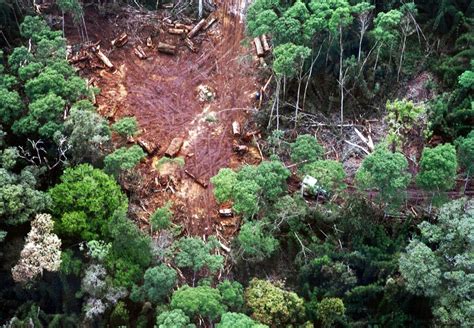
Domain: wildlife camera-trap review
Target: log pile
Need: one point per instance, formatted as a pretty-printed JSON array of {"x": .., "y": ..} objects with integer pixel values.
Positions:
[{"x": 262, "y": 47}]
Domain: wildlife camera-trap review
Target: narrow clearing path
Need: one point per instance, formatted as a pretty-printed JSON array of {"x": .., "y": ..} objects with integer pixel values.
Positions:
[{"x": 162, "y": 93}]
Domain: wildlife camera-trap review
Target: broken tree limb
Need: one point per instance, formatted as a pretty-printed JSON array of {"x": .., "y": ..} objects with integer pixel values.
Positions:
[
  {"x": 166, "y": 48},
  {"x": 258, "y": 47},
  {"x": 120, "y": 41},
  {"x": 357, "y": 146},
  {"x": 139, "y": 52},
  {"x": 196, "y": 28},
  {"x": 266, "y": 46},
  {"x": 367, "y": 141},
  {"x": 190, "y": 45},
  {"x": 197, "y": 180},
  {"x": 103, "y": 58}
]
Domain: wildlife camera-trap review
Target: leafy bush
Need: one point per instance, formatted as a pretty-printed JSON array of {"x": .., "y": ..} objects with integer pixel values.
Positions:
[
  {"x": 306, "y": 148},
  {"x": 438, "y": 168},
  {"x": 126, "y": 127}
]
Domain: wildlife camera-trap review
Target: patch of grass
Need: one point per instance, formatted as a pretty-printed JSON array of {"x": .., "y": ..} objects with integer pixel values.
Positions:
[{"x": 177, "y": 160}]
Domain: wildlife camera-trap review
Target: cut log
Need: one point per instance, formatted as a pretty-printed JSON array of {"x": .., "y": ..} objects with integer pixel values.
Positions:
[
  {"x": 258, "y": 47},
  {"x": 138, "y": 50},
  {"x": 103, "y": 58},
  {"x": 236, "y": 128},
  {"x": 190, "y": 45},
  {"x": 166, "y": 48},
  {"x": 174, "y": 147},
  {"x": 197, "y": 28},
  {"x": 183, "y": 26},
  {"x": 266, "y": 46},
  {"x": 239, "y": 148},
  {"x": 149, "y": 42},
  {"x": 120, "y": 41},
  {"x": 197, "y": 180},
  {"x": 177, "y": 31},
  {"x": 167, "y": 21},
  {"x": 168, "y": 5},
  {"x": 209, "y": 23},
  {"x": 148, "y": 146}
]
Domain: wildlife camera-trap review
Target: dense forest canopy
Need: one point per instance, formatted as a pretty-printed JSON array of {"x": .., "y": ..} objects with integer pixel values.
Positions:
[{"x": 359, "y": 211}]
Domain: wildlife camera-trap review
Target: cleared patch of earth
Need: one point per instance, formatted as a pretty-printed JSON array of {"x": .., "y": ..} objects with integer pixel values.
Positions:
[{"x": 162, "y": 92}]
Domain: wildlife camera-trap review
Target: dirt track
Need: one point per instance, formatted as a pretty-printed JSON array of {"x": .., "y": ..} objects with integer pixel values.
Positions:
[{"x": 161, "y": 92}]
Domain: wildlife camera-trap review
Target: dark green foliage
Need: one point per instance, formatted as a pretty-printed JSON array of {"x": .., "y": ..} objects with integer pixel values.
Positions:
[
  {"x": 84, "y": 202},
  {"x": 161, "y": 218},
  {"x": 238, "y": 320},
  {"x": 195, "y": 254},
  {"x": 255, "y": 244},
  {"x": 123, "y": 159},
  {"x": 438, "y": 264},
  {"x": 130, "y": 254},
  {"x": 19, "y": 199},
  {"x": 158, "y": 283},
  {"x": 306, "y": 148},
  {"x": 438, "y": 168},
  {"x": 173, "y": 319},
  {"x": 119, "y": 316},
  {"x": 203, "y": 300},
  {"x": 330, "y": 174},
  {"x": 232, "y": 294},
  {"x": 385, "y": 171},
  {"x": 465, "y": 151},
  {"x": 251, "y": 187},
  {"x": 126, "y": 127}
]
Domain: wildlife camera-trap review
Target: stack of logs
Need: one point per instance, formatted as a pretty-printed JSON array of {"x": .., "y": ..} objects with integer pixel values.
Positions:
[{"x": 262, "y": 46}]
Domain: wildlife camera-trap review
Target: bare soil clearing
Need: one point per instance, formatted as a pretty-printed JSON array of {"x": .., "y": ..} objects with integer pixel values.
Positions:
[{"x": 163, "y": 93}]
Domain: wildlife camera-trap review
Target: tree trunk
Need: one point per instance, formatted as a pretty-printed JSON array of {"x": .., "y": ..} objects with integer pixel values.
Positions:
[
  {"x": 341, "y": 82},
  {"x": 401, "y": 56}
]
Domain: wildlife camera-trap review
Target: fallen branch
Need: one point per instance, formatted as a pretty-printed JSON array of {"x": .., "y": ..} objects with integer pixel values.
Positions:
[
  {"x": 103, "y": 58},
  {"x": 357, "y": 146},
  {"x": 197, "y": 180}
]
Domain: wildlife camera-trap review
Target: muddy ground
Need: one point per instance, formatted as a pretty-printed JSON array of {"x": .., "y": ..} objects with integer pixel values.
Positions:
[{"x": 162, "y": 92}]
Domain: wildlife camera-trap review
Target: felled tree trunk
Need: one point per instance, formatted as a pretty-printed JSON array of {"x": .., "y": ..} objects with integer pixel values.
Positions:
[
  {"x": 258, "y": 47},
  {"x": 196, "y": 28},
  {"x": 166, "y": 48}
]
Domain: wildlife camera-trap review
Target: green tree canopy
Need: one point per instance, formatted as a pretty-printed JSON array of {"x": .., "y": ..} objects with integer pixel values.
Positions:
[
  {"x": 174, "y": 319},
  {"x": 126, "y": 126},
  {"x": 306, "y": 148},
  {"x": 438, "y": 263},
  {"x": 272, "y": 305},
  {"x": 158, "y": 283},
  {"x": 123, "y": 159},
  {"x": 85, "y": 201},
  {"x": 438, "y": 168},
  {"x": 238, "y": 320},
  {"x": 255, "y": 244},
  {"x": 385, "y": 171},
  {"x": 202, "y": 300}
]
